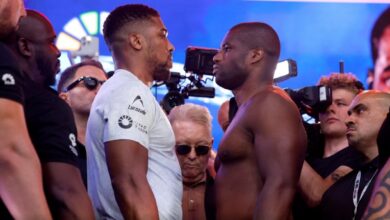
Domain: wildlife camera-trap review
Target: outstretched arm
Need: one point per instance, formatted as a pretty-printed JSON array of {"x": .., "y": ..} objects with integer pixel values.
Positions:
[
  {"x": 312, "y": 186},
  {"x": 128, "y": 164},
  {"x": 20, "y": 177},
  {"x": 280, "y": 144}
]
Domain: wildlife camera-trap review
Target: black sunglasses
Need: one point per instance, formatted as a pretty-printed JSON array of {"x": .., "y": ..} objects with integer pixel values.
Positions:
[
  {"x": 90, "y": 82},
  {"x": 184, "y": 149}
]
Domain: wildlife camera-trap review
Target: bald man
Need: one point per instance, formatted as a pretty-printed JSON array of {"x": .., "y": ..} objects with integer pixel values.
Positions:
[
  {"x": 50, "y": 120},
  {"x": 262, "y": 151},
  {"x": 21, "y": 188},
  {"x": 349, "y": 196},
  {"x": 379, "y": 205}
]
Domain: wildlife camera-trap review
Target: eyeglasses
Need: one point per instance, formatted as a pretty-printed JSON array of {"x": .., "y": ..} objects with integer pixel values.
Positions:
[
  {"x": 184, "y": 149},
  {"x": 90, "y": 82}
]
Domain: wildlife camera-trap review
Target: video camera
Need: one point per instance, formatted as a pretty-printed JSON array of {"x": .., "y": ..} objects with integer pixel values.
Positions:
[
  {"x": 199, "y": 62},
  {"x": 311, "y": 99}
]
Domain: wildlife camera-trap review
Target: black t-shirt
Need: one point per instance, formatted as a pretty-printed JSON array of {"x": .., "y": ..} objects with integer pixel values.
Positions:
[
  {"x": 52, "y": 130},
  {"x": 348, "y": 156},
  {"x": 51, "y": 125},
  {"x": 11, "y": 87},
  {"x": 324, "y": 167},
  {"x": 83, "y": 162},
  {"x": 383, "y": 140},
  {"x": 337, "y": 201},
  {"x": 11, "y": 79}
]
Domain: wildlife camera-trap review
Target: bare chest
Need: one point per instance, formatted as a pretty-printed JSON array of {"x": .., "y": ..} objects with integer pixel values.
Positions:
[
  {"x": 193, "y": 203},
  {"x": 237, "y": 143}
]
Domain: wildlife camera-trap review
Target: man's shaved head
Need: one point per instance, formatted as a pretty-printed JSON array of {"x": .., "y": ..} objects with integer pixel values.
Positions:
[
  {"x": 257, "y": 35},
  {"x": 381, "y": 98},
  {"x": 34, "y": 41},
  {"x": 33, "y": 24}
]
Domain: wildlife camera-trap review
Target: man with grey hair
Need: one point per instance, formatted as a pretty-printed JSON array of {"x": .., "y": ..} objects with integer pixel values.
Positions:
[{"x": 191, "y": 124}]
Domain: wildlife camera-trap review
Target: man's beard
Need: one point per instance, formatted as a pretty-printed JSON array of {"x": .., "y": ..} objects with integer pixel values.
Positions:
[
  {"x": 46, "y": 71},
  {"x": 231, "y": 80},
  {"x": 161, "y": 72}
]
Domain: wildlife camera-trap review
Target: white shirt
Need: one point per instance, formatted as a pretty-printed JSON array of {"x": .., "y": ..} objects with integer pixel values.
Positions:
[{"x": 125, "y": 108}]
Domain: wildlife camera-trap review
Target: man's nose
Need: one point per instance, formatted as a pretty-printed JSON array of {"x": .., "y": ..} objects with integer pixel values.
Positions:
[
  {"x": 192, "y": 154},
  {"x": 217, "y": 57}
]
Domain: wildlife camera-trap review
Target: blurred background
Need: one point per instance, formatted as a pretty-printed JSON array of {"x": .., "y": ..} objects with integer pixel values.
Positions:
[{"x": 316, "y": 34}]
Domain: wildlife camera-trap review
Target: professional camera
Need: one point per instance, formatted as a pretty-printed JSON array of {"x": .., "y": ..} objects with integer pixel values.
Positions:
[
  {"x": 198, "y": 62},
  {"x": 311, "y": 99}
]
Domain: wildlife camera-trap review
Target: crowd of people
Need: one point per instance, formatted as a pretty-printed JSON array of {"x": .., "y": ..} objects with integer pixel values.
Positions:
[{"x": 99, "y": 148}]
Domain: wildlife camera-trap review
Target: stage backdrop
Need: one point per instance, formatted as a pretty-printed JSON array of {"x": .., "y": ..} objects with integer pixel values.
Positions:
[{"x": 315, "y": 34}]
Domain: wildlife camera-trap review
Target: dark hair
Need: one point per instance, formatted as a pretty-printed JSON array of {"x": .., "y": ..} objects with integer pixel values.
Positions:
[
  {"x": 124, "y": 14},
  {"x": 69, "y": 73},
  {"x": 381, "y": 23}
]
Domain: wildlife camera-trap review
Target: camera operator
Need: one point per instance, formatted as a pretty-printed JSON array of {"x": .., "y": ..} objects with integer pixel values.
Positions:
[{"x": 336, "y": 159}]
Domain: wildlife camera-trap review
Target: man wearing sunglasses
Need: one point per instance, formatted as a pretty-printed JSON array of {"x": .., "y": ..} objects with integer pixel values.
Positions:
[
  {"x": 49, "y": 119},
  {"x": 78, "y": 86},
  {"x": 133, "y": 171},
  {"x": 191, "y": 124}
]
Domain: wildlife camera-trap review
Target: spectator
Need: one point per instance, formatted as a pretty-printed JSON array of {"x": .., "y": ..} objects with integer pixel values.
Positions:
[
  {"x": 348, "y": 197},
  {"x": 379, "y": 205},
  {"x": 192, "y": 127},
  {"x": 49, "y": 119},
  {"x": 337, "y": 158},
  {"x": 21, "y": 186},
  {"x": 78, "y": 86}
]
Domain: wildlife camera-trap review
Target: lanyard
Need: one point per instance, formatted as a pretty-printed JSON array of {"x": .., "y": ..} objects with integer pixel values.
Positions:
[{"x": 355, "y": 194}]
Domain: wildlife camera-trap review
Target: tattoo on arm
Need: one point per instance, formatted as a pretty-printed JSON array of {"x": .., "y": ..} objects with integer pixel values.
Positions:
[
  {"x": 335, "y": 176},
  {"x": 379, "y": 206}
]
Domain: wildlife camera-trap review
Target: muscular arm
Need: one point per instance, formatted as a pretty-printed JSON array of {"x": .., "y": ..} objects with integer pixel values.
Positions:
[
  {"x": 379, "y": 205},
  {"x": 65, "y": 188},
  {"x": 20, "y": 177},
  {"x": 280, "y": 144},
  {"x": 312, "y": 186},
  {"x": 128, "y": 164}
]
